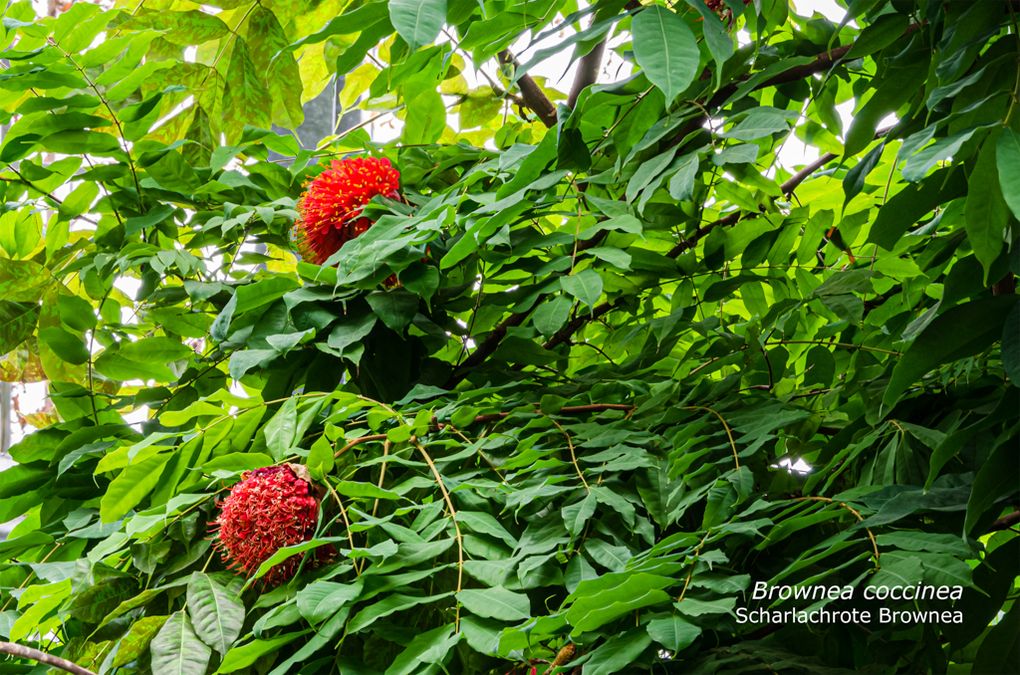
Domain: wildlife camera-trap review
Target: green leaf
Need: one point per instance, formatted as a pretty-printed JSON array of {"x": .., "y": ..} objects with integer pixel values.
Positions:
[
  {"x": 957, "y": 333},
  {"x": 366, "y": 490},
  {"x": 282, "y": 429},
  {"x": 216, "y": 614},
  {"x": 417, "y": 21},
  {"x": 68, "y": 346},
  {"x": 576, "y": 515},
  {"x": 666, "y": 50},
  {"x": 745, "y": 153},
  {"x": 496, "y": 603},
  {"x": 681, "y": 184},
  {"x": 430, "y": 647},
  {"x": 996, "y": 478},
  {"x": 391, "y": 603},
  {"x": 320, "y": 458},
  {"x": 176, "y": 650},
  {"x": 617, "y": 653},
  {"x": 246, "y": 655},
  {"x": 586, "y": 286},
  {"x": 986, "y": 211},
  {"x": 17, "y": 323},
  {"x": 614, "y": 256},
  {"x": 1000, "y": 650},
  {"x": 320, "y": 600},
  {"x": 674, "y": 632},
  {"x": 131, "y": 486},
  {"x": 550, "y": 316},
  {"x": 599, "y": 601},
  {"x": 483, "y": 523},
  {"x": 275, "y": 62},
  {"x": 288, "y": 551},
  {"x": 915, "y": 200},
  {"x": 96, "y": 602},
  {"x": 246, "y": 98},
  {"x": 394, "y": 308},
  {"x": 346, "y": 335},
  {"x": 137, "y": 639},
  {"x": 717, "y": 37},
  {"x": 761, "y": 122},
  {"x": 1007, "y": 159}
]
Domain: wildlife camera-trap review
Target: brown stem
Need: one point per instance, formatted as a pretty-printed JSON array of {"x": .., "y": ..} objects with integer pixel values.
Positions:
[
  {"x": 532, "y": 94},
  {"x": 359, "y": 441},
  {"x": 796, "y": 179},
  {"x": 487, "y": 347},
  {"x": 856, "y": 514},
  {"x": 23, "y": 652},
  {"x": 587, "y": 71},
  {"x": 1006, "y": 522}
]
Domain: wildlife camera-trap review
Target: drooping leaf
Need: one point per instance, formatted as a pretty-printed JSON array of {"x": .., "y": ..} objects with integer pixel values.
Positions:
[
  {"x": 665, "y": 48},
  {"x": 176, "y": 649},
  {"x": 417, "y": 21},
  {"x": 217, "y": 616}
]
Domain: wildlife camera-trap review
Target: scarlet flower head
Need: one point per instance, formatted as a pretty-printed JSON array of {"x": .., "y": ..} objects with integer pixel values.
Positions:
[
  {"x": 267, "y": 509},
  {"x": 331, "y": 207}
]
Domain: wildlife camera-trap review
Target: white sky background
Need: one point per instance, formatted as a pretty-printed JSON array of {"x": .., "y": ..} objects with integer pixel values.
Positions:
[{"x": 559, "y": 73}]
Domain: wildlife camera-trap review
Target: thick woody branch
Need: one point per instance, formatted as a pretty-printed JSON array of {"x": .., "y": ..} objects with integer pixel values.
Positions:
[
  {"x": 796, "y": 179},
  {"x": 532, "y": 94},
  {"x": 587, "y": 72},
  {"x": 23, "y": 652}
]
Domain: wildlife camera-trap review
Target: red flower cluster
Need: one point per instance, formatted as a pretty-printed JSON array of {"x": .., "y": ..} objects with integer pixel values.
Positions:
[
  {"x": 268, "y": 509},
  {"x": 330, "y": 209}
]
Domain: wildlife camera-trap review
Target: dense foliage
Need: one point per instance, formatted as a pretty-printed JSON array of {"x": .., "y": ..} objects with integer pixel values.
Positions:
[{"x": 573, "y": 434}]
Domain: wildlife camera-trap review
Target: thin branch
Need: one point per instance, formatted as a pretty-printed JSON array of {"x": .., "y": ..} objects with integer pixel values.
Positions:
[
  {"x": 359, "y": 441},
  {"x": 487, "y": 347},
  {"x": 532, "y": 94},
  {"x": 573, "y": 455},
  {"x": 729, "y": 433},
  {"x": 23, "y": 652},
  {"x": 347, "y": 523},
  {"x": 113, "y": 118},
  {"x": 794, "y": 182},
  {"x": 382, "y": 474},
  {"x": 855, "y": 512},
  {"x": 453, "y": 517},
  {"x": 690, "y": 573}
]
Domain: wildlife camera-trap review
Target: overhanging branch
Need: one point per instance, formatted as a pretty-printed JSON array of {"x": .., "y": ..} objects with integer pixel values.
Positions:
[
  {"x": 818, "y": 64},
  {"x": 533, "y": 96},
  {"x": 22, "y": 652}
]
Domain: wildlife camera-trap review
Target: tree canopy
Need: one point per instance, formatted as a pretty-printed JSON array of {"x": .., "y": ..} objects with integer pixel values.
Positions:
[{"x": 602, "y": 365}]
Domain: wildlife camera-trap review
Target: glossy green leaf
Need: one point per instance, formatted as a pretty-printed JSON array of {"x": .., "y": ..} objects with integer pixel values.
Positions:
[
  {"x": 417, "y": 21},
  {"x": 216, "y": 614},
  {"x": 176, "y": 649},
  {"x": 1007, "y": 160},
  {"x": 586, "y": 286},
  {"x": 496, "y": 603},
  {"x": 665, "y": 48}
]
